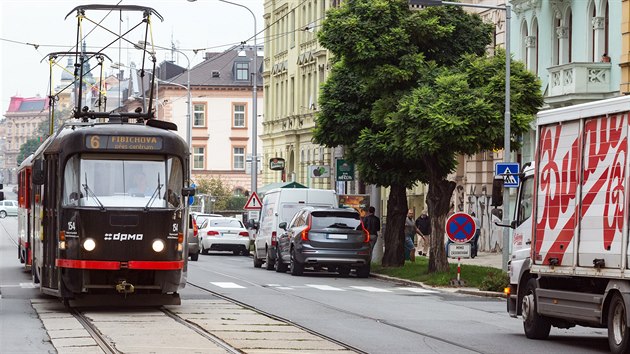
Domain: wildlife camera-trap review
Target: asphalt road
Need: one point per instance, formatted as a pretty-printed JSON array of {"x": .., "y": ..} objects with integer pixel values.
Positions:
[{"x": 373, "y": 315}]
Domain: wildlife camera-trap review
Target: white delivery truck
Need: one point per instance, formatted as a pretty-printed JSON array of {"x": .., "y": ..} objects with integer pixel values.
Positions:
[
  {"x": 280, "y": 205},
  {"x": 570, "y": 263}
]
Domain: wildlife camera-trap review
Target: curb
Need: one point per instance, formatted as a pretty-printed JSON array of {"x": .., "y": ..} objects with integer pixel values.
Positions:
[{"x": 469, "y": 291}]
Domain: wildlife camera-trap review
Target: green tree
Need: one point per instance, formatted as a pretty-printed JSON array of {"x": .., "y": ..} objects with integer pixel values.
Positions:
[
  {"x": 224, "y": 198},
  {"x": 410, "y": 91}
]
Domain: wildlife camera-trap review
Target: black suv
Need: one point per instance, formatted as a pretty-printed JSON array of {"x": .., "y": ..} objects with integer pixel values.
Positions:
[{"x": 330, "y": 237}]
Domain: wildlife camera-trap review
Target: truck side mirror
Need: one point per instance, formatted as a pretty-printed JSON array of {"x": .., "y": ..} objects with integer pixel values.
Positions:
[
  {"x": 497, "y": 191},
  {"x": 39, "y": 172},
  {"x": 188, "y": 192}
]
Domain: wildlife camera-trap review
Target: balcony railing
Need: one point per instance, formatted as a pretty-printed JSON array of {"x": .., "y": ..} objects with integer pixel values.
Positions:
[{"x": 588, "y": 79}]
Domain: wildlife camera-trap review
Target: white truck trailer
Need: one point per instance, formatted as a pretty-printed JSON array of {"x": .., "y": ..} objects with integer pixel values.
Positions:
[{"x": 570, "y": 262}]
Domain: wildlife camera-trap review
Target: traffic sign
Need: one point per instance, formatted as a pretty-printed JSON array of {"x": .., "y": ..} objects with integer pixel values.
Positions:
[
  {"x": 456, "y": 250},
  {"x": 509, "y": 171},
  {"x": 253, "y": 203},
  {"x": 460, "y": 227}
]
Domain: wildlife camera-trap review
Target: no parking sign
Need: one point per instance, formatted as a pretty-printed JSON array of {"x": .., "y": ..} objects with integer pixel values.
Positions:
[{"x": 460, "y": 227}]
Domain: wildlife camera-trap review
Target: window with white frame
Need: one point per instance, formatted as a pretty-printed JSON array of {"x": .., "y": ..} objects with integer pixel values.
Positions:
[
  {"x": 238, "y": 158},
  {"x": 239, "y": 115},
  {"x": 199, "y": 156},
  {"x": 199, "y": 115},
  {"x": 242, "y": 71}
]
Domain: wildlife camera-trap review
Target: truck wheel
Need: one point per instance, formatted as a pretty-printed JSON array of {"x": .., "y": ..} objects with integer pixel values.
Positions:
[
  {"x": 535, "y": 325},
  {"x": 618, "y": 333}
]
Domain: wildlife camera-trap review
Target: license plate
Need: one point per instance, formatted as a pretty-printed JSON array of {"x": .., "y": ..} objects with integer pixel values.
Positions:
[{"x": 338, "y": 236}]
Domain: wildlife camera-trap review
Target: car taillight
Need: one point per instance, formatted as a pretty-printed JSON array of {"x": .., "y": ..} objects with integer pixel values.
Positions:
[
  {"x": 244, "y": 233},
  {"x": 274, "y": 238},
  {"x": 307, "y": 229},
  {"x": 213, "y": 233},
  {"x": 366, "y": 233},
  {"x": 195, "y": 228}
]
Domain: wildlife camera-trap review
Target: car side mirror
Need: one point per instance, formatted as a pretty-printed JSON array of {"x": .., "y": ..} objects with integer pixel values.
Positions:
[
  {"x": 39, "y": 172},
  {"x": 283, "y": 225}
]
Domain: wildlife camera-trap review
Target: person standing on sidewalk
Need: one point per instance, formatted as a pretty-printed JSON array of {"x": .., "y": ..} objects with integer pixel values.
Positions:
[
  {"x": 423, "y": 223},
  {"x": 474, "y": 243},
  {"x": 373, "y": 225}
]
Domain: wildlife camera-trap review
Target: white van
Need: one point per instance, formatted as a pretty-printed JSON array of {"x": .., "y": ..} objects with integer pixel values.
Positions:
[{"x": 280, "y": 205}]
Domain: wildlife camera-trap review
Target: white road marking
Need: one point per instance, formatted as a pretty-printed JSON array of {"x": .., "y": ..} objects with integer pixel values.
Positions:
[
  {"x": 285, "y": 288},
  {"x": 371, "y": 289},
  {"x": 227, "y": 285},
  {"x": 418, "y": 290},
  {"x": 324, "y": 287},
  {"x": 273, "y": 285},
  {"x": 30, "y": 285}
]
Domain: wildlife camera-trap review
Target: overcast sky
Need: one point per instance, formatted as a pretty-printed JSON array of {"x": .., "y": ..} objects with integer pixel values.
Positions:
[{"x": 191, "y": 25}]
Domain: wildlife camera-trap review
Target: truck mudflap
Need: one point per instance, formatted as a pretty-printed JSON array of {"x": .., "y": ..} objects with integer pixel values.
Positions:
[{"x": 512, "y": 301}]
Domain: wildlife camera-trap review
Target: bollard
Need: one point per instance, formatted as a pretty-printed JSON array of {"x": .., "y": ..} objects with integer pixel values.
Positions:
[{"x": 459, "y": 268}]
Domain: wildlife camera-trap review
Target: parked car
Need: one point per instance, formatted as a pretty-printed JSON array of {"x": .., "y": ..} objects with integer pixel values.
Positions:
[
  {"x": 328, "y": 237},
  {"x": 8, "y": 207},
  {"x": 201, "y": 217},
  {"x": 193, "y": 239},
  {"x": 279, "y": 205},
  {"x": 224, "y": 234}
]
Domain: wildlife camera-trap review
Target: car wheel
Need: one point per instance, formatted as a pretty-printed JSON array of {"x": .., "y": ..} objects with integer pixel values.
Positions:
[
  {"x": 535, "y": 325},
  {"x": 344, "y": 270},
  {"x": 297, "y": 268},
  {"x": 3, "y": 214},
  {"x": 194, "y": 256},
  {"x": 269, "y": 262},
  {"x": 236, "y": 252},
  {"x": 257, "y": 261},
  {"x": 245, "y": 253},
  {"x": 281, "y": 267},
  {"x": 364, "y": 271}
]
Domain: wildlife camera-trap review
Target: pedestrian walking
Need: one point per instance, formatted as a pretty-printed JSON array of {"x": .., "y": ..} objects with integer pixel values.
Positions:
[
  {"x": 373, "y": 225},
  {"x": 423, "y": 223},
  {"x": 410, "y": 232},
  {"x": 474, "y": 243}
]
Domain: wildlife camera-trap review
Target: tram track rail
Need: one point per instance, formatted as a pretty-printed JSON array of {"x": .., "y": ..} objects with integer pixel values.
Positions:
[
  {"x": 106, "y": 346},
  {"x": 277, "y": 318},
  {"x": 12, "y": 238},
  {"x": 347, "y": 346}
]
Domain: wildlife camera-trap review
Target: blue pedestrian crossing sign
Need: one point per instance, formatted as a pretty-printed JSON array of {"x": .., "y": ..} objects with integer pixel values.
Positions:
[{"x": 509, "y": 171}]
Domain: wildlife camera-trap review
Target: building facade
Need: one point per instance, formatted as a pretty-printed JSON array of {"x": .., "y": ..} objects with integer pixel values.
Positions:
[
  {"x": 20, "y": 123},
  {"x": 295, "y": 66}
]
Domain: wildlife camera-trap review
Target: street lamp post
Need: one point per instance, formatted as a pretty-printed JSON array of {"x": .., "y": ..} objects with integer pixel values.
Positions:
[
  {"x": 506, "y": 116},
  {"x": 254, "y": 103}
]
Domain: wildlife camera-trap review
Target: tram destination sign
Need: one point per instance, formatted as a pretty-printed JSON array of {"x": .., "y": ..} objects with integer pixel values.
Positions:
[{"x": 123, "y": 142}]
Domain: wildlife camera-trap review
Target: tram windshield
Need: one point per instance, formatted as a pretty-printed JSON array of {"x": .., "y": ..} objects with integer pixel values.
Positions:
[{"x": 143, "y": 181}]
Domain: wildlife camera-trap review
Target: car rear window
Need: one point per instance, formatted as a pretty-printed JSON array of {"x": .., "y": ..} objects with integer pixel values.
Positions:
[
  {"x": 331, "y": 219},
  {"x": 216, "y": 222}
]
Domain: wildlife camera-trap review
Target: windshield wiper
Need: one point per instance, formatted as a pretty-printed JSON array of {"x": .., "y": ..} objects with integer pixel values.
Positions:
[
  {"x": 88, "y": 190},
  {"x": 156, "y": 192}
]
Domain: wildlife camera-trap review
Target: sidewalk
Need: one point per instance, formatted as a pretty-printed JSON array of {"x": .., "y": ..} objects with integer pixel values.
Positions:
[{"x": 487, "y": 259}]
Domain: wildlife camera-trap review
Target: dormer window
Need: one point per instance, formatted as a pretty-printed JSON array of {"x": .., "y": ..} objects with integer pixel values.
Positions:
[{"x": 242, "y": 71}]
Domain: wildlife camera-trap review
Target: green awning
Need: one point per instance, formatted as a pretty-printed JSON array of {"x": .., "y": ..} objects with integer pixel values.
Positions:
[{"x": 264, "y": 189}]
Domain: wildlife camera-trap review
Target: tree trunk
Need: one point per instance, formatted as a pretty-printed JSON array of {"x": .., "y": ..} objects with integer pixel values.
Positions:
[
  {"x": 438, "y": 201},
  {"x": 395, "y": 231}
]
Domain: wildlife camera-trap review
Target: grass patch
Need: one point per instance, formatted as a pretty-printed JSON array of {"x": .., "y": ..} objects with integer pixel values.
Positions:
[{"x": 484, "y": 278}]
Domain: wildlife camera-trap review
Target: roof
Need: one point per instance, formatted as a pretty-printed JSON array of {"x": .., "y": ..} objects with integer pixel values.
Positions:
[
  {"x": 31, "y": 104},
  {"x": 268, "y": 187}
]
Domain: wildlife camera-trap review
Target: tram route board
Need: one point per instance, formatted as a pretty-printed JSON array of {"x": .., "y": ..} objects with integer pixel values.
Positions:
[{"x": 123, "y": 142}]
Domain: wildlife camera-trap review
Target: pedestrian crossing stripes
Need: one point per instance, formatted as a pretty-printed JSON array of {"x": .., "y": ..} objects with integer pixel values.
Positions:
[{"x": 324, "y": 287}]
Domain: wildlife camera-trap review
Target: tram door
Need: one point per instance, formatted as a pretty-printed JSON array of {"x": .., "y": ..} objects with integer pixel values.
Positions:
[{"x": 50, "y": 204}]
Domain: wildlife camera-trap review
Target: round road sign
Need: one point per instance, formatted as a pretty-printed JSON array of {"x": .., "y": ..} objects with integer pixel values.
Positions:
[{"x": 460, "y": 227}]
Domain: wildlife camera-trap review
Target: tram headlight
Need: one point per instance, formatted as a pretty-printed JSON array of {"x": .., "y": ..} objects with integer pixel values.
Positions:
[
  {"x": 89, "y": 244},
  {"x": 158, "y": 245}
]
